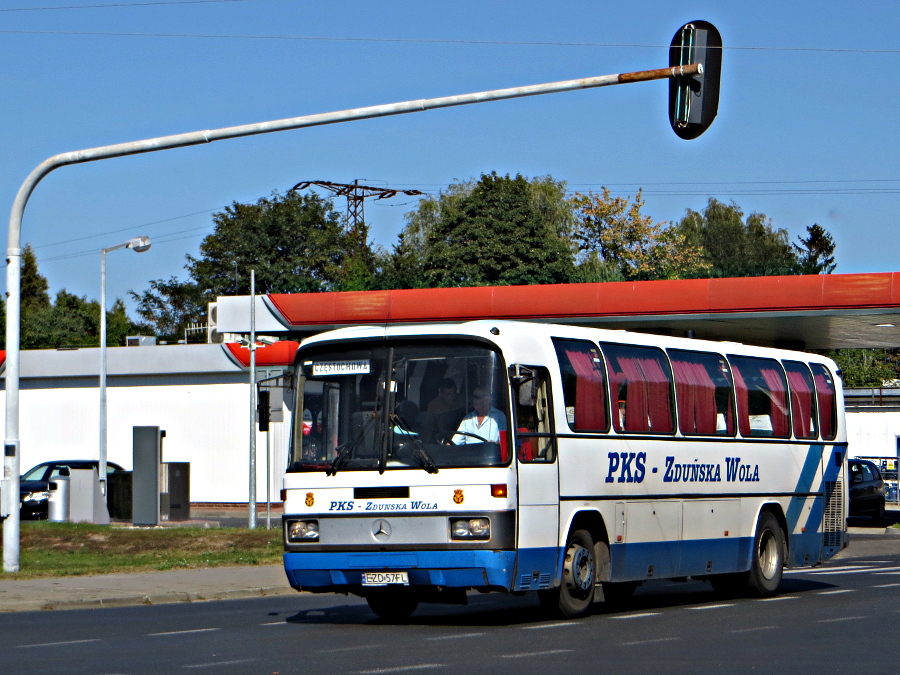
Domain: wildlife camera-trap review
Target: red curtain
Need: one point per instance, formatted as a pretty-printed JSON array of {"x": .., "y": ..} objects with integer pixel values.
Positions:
[
  {"x": 825, "y": 395},
  {"x": 590, "y": 399},
  {"x": 648, "y": 405},
  {"x": 696, "y": 397},
  {"x": 801, "y": 385},
  {"x": 743, "y": 401},
  {"x": 658, "y": 398},
  {"x": 778, "y": 396}
]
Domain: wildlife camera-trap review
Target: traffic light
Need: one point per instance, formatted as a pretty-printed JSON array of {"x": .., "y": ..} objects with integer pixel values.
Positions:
[
  {"x": 694, "y": 100},
  {"x": 263, "y": 414}
]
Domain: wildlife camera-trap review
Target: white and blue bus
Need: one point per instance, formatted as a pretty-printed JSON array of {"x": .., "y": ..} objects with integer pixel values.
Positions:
[{"x": 430, "y": 460}]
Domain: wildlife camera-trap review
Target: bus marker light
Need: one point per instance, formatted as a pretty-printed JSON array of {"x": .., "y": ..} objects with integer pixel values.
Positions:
[
  {"x": 283, "y": 495},
  {"x": 499, "y": 490},
  {"x": 618, "y": 537},
  {"x": 726, "y": 533}
]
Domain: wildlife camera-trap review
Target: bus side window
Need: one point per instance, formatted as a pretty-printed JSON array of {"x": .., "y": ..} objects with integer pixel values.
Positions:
[
  {"x": 535, "y": 441},
  {"x": 803, "y": 403},
  {"x": 640, "y": 381},
  {"x": 825, "y": 396},
  {"x": 704, "y": 392},
  {"x": 583, "y": 384},
  {"x": 761, "y": 397}
]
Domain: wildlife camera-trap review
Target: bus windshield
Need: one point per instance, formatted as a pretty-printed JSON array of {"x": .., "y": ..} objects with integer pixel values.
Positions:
[{"x": 402, "y": 405}]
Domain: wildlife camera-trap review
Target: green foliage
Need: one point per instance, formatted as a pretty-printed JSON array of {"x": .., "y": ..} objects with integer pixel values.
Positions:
[
  {"x": 618, "y": 242},
  {"x": 496, "y": 231},
  {"x": 169, "y": 306},
  {"x": 296, "y": 243},
  {"x": 866, "y": 367},
  {"x": 33, "y": 285},
  {"x": 815, "y": 254},
  {"x": 738, "y": 247}
]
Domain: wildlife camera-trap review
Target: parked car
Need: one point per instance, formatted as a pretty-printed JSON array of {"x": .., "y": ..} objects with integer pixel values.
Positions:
[
  {"x": 34, "y": 485},
  {"x": 866, "y": 489}
]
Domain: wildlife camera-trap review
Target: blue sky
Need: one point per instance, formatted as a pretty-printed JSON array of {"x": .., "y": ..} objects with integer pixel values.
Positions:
[{"x": 807, "y": 130}]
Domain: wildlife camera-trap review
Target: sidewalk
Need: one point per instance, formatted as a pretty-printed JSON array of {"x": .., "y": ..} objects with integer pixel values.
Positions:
[{"x": 143, "y": 588}]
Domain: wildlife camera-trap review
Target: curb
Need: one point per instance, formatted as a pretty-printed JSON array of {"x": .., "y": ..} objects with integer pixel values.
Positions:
[{"x": 134, "y": 600}]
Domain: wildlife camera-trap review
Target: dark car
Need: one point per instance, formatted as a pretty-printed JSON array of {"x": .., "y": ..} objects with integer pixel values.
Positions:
[
  {"x": 34, "y": 484},
  {"x": 866, "y": 489}
]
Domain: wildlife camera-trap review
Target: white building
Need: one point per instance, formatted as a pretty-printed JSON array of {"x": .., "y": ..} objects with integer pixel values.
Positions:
[{"x": 199, "y": 394}]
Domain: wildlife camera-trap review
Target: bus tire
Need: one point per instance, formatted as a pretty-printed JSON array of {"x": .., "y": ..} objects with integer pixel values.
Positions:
[
  {"x": 576, "y": 591},
  {"x": 767, "y": 564},
  {"x": 392, "y": 604}
]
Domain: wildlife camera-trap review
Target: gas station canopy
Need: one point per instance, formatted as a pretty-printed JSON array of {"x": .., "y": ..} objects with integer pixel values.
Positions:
[{"x": 804, "y": 312}]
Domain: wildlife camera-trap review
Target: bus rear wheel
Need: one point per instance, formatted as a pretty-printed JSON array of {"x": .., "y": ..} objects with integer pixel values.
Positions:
[
  {"x": 392, "y": 604},
  {"x": 768, "y": 557}
]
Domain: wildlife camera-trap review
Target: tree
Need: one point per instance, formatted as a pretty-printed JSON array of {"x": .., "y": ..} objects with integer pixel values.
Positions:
[
  {"x": 296, "y": 243},
  {"x": 505, "y": 231},
  {"x": 618, "y": 242},
  {"x": 734, "y": 247},
  {"x": 404, "y": 267},
  {"x": 815, "y": 254},
  {"x": 865, "y": 367},
  {"x": 33, "y": 285},
  {"x": 169, "y": 306}
]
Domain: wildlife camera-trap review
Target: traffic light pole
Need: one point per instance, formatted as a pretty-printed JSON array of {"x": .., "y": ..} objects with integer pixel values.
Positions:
[{"x": 11, "y": 468}]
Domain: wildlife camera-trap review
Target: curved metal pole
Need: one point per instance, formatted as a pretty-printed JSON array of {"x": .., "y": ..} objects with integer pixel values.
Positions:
[{"x": 14, "y": 250}]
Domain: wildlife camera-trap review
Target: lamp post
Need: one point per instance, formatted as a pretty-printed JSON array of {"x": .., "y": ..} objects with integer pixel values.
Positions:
[{"x": 139, "y": 245}]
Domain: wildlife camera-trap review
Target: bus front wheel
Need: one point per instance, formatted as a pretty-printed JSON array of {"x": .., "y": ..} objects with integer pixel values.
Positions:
[
  {"x": 768, "y": 556},
  {"x": 392, "y": 604},
  {"x": 579, "y": 575}
]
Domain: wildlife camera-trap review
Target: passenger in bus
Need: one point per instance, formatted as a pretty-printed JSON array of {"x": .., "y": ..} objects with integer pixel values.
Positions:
[
  {"x": 448, "y": 398},
  {"x": 484, "y": 423},
  {"x": 445, "y": 412},
  {"x": 408, "y": 420}
]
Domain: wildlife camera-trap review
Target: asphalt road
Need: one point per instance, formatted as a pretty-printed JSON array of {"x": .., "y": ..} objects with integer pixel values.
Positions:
[{"x": 840, "y": 617}]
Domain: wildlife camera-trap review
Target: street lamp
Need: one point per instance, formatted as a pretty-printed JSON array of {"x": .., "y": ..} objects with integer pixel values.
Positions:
[{"x": 139, "y": 245}]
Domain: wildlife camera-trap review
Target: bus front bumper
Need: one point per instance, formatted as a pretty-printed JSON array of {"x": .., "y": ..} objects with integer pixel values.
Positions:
[{"x": 450, "y": 569}]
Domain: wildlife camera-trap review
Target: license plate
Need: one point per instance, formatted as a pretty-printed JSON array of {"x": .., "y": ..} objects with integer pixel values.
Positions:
[{"x": 385, "y": 578}]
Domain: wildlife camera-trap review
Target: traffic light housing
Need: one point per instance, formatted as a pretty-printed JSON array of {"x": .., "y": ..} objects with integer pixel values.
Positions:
[
  {"x": 694, "y": 100},
  {"x": 263, "y": 414}
]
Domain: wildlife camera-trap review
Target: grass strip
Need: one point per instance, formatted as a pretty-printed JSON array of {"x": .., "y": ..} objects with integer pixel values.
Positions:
[{"x": 64, "y": 549}]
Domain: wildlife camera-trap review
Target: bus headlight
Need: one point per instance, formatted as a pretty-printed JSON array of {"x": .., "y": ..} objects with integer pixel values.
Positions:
[
  {"x": 303, "y": 530},
  {"x": 470, "y": 528}
]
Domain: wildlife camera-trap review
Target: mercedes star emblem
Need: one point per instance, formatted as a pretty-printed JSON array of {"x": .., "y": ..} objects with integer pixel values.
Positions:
[{"x": 381, "y": 529}]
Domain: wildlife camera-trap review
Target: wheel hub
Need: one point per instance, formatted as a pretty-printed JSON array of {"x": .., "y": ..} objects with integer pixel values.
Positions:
[{"x": 579, "y": 569}]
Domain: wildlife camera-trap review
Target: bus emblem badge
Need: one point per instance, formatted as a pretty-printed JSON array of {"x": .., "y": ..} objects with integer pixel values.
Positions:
[
  {"x": 310, "y": 500},
  {"x": 381, "y": 530},
  {"x": 458, "y": 497}
]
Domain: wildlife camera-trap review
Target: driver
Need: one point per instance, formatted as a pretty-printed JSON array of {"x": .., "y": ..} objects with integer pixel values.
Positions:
[{"x": 485, "y": 422}]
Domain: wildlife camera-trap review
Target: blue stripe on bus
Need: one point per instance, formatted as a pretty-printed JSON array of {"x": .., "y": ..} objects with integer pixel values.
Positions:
[{"x": 808, "y": 475}]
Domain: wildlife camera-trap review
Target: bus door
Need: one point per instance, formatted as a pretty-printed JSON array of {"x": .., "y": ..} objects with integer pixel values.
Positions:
[{"x": 538, "y": 478}]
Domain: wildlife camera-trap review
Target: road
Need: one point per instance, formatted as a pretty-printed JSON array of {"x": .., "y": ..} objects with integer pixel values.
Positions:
[{"x": 843, "y": 614}]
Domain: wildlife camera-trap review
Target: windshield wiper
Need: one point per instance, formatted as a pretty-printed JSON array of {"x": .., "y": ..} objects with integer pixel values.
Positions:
[
  {"x": 424, "y": 457},
  {"x": 344, "y": 451}
]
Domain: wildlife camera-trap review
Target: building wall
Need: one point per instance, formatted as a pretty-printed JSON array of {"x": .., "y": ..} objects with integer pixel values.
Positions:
[
  {"x": 196, "y": 393},
  {"x": 873, "y": 434}
]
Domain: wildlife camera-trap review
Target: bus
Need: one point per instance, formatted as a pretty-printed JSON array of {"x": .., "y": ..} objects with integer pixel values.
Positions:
[{"x": 432, "y": 460}]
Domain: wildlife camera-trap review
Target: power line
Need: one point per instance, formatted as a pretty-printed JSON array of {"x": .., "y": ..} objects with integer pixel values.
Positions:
[
  {"x": 117, "y": 4},
  {"x": 511, "y": 43},
  {"x": 131, "y": 228}
]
